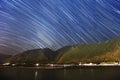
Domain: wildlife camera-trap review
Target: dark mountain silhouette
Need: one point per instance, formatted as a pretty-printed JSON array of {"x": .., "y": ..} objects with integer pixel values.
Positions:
[
  {"x": 94, "y": 52},
  {"x": 4, "y": 57}
]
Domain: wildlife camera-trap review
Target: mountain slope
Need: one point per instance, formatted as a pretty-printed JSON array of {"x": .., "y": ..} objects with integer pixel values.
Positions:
[
  {"x": 96, "y": 52},
  {"x": 4, "y": 57},
  {"x": 108, "y": 51},
  {"x": 33, "y": 56}
]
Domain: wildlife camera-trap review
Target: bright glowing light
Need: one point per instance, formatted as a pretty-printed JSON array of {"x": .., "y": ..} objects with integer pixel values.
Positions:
[
  {"x": 37, "y": 64},
  {"x": 51, "y": 65},
  {"x": 13, "y": 64},
  {"x": 6, "y": 64}
]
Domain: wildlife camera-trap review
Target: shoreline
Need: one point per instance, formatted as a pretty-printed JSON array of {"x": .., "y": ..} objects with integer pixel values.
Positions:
[{"x": 62, "y": 67}]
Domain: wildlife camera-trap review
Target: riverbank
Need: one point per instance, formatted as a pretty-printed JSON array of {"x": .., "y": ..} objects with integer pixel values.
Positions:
[
  {"x": 40, "y": 67},
  {"x": 63, "y": 67}
]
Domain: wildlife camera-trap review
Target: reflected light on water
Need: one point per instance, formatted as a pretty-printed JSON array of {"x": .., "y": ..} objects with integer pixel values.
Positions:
[
  {"x": 36, "y": 74},
  {"x": 84, "y": 73}
]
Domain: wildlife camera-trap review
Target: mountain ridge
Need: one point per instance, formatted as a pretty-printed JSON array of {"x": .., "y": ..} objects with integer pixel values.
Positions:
[
  {"x": 4, "y": 57},
  {"x": 94, "y": 52}
]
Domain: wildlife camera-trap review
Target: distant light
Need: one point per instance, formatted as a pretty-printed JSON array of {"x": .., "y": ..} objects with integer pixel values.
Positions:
[
  {"x": 65, "y": 65},
  {"x": 6, "y": 64},
  {"x": 13, "y": 64},
  {"x": 90, "y": 63},
  {"x": 80, "y": 64},
  {"x": 37, "y": 64},
  {"x": 116, "y": 63},
  {"x": 51, "y": 65}
]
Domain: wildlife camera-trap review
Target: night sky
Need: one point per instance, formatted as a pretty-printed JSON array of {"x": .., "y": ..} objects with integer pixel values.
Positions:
[{"x": 31, "y": 24}]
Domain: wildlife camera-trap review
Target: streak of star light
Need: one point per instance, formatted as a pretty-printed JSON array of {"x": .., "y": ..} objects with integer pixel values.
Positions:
[{"x": 32, "y": 24}]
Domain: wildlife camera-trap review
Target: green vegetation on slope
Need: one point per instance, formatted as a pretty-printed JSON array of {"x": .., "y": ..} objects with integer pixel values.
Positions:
[
  {"x": 108, "y": 51},
  {"x": 96, "y": 52},
  {"x": 33, "y": 56}
]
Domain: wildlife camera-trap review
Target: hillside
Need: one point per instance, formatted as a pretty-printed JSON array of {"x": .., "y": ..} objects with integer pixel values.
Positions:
[
  {"x": 33, "y": 56},
  {"x": 4, "y": 57},
  {"x": 96, "y": 52}
]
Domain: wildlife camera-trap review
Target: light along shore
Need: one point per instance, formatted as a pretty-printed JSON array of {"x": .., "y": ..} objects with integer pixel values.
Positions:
[
  {"x": 64, "y": 66},
  {"x": 58, "y": 66}
]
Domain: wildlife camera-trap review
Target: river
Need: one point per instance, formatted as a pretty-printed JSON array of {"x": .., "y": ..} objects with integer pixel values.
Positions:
[{"x": 84, "y": 73}]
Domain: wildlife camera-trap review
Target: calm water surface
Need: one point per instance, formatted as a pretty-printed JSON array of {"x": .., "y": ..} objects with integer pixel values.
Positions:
[{"x": 89, "y": 73}]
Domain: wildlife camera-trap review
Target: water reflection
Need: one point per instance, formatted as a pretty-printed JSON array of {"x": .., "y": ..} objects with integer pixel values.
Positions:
[
  {"x": 64, "y": 71},
  {"x": 36, "y": 74},
  {"x": 108, "y": 73}
]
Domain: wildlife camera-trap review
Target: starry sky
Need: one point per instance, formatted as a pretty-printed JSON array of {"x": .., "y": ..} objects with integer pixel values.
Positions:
[{"x": 31, "y": 24}]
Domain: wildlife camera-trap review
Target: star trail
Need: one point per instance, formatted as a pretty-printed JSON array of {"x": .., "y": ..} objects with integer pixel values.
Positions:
[{"x": 31, "y": 24}]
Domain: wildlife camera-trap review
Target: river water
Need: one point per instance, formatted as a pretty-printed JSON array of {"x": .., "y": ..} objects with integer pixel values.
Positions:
[{"x": 87, "y": 73}]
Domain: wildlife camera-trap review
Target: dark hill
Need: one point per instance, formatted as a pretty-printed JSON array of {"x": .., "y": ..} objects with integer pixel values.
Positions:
[
  {"x": 34, "y": 56},
  {"x": 4, "y": 57},
  {"x": 107, "y": 51}
]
